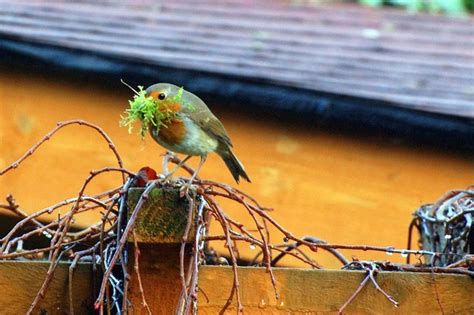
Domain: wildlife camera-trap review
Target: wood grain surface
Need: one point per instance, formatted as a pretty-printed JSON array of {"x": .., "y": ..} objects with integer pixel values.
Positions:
[
  {"x": 324, "y": 291},
  {"x": 159, "y": 270},
  {"x": 301, "y": 291},
  {"x": 21, "y": 281}
]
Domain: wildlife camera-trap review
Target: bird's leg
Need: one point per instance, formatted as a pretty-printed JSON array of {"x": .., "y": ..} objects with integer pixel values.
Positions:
[
  {"x": 165, "y": 161},
  {"x": 186, "y": 187},
  {"x": 203, "y": 159},
  {"x": 177, "y": 167}
]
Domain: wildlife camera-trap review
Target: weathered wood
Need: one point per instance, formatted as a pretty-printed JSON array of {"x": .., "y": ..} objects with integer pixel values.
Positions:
[
  {"x": 377, "y": 54},
  {"x": 160, "y": 227},
  {"x": 162, "y": 218},
  {"x": 302, "y": 291},
  {"x": 159, "y": 269},
  {"x": 324, "y": 291},
  {"x": 21, "y": 281}
]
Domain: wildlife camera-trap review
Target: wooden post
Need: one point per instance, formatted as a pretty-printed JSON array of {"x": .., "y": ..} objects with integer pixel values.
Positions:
[{"x": 160, "y": 227}]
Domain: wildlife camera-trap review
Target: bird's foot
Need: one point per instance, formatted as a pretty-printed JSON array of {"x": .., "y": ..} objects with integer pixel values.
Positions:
[
  {"x": 184, "y": 191},
  {"x": 167, "y": 178}
]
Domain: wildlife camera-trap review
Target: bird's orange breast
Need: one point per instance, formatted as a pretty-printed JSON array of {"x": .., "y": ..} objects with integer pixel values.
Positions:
[{"x": 174, "y": 132}]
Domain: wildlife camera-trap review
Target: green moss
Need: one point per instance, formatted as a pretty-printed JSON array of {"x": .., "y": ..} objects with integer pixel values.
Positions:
[
  {"x": 163, "y": 217},
  {"x": 147, "y": 111}
]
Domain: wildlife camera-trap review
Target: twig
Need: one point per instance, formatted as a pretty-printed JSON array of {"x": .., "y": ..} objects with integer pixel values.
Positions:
[
  {"x": 314, "y": 240},
  {"x": 466, "y": 260},
  {"x": 109, "y": 237},
  {"x": 354, "y": 295},
  {"x": 377, "y": 286},
  {"x": 72, "y": 267},
  {"x": 56, "y": 129},
  {"x": 190, "y": 299},
  {"x": 371, "y": 269},
  {"x": 62, "y": 234},
  {"x": 228, "y": 244},
  {"x": 184, "y": 241},
  {"x": 136, "y": 267},
  {"x": 123, "y": 240}
]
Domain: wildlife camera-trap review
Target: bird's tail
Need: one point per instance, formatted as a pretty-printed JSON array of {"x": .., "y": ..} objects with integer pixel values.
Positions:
[{"x": 234, "y": 165}]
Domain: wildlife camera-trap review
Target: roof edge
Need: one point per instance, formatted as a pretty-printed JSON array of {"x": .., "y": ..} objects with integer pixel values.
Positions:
[{"x": 345, "y": 113}]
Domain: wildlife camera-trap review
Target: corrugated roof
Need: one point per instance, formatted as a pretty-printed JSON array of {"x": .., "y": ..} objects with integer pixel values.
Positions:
[{"x": 420, "y": 62}]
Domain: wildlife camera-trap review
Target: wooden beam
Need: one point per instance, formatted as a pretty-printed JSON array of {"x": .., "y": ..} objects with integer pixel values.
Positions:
[
  {"x": 20, "y": 281},
  {"x": 324, "y": 291},
  {"x": 302, "y": 291}
]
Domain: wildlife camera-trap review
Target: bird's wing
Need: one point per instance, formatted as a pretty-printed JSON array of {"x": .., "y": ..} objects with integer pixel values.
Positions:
[{"x": 199, "y": 113}]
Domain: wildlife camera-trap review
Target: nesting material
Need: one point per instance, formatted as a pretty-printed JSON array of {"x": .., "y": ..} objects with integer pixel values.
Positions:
[
  {"x": 148, "y": 111},
  {"x": 446, "y": 227}
]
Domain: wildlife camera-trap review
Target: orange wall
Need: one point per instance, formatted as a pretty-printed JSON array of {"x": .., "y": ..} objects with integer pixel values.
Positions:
[{"x": 344, "y": 190}]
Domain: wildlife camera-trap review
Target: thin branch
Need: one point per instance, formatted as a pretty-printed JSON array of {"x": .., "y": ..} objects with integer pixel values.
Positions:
[
  {"x": 59, "y": 126},
  {"x": 123, "y": 240},
  {"x": 136, "y": 267},
  {"x": 354, "y": 295}
]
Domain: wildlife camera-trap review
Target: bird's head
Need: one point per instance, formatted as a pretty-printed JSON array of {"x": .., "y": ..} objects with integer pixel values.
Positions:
[
  {"x": 162, "y": 93},
  {"x": 154, "y": 106}
]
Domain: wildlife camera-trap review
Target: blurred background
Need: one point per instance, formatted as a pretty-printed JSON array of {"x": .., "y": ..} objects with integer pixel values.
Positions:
[{"x": 347, "y": 115}]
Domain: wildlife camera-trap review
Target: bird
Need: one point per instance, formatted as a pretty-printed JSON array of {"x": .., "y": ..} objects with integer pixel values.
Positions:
[{"x": 192, "y": 129}]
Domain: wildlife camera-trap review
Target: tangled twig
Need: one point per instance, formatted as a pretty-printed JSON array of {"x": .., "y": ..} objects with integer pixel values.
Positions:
[
  {"x": 447, "y": 226},
  {"x": 372, "y": 270},
  {"x": 59, "y": 126},
  {"x": 136, "y": 267},
  {"x": 105, "y": 242}
]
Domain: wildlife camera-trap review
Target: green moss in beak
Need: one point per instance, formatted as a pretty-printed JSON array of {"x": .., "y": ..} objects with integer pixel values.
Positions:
[{"x": 146, "y": 110}]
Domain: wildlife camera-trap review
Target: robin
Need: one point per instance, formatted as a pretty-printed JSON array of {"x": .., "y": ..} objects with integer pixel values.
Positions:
[{"x": 192, "y": 129}]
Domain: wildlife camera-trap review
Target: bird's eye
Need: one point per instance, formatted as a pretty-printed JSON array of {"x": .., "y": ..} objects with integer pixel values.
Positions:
[{"x": 161, "y": 96}]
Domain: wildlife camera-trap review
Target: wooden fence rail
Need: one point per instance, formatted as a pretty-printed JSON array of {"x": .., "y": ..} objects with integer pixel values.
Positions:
[{"x": 302, "y": 291}]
